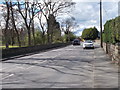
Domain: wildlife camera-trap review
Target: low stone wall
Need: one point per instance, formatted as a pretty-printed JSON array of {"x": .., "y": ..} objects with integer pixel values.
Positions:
[
  {"x": 113, "y": 51},
  {"x": 6, "y": 53}
]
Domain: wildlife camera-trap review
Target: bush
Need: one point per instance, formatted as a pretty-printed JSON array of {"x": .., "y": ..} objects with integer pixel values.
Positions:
[
  {"x": 90, "y": 33},
  {"x": 111, "y": 33}
]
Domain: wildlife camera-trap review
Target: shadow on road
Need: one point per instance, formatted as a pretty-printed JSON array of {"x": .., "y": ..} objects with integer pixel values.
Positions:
[{"x": 52, "y": 63}]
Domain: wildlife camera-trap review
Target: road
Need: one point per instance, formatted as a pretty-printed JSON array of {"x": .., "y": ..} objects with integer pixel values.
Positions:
[{"x": 68, "y": 67}]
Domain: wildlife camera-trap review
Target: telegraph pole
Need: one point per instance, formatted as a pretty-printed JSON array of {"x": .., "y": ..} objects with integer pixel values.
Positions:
[{"x": 101, "y": 39}]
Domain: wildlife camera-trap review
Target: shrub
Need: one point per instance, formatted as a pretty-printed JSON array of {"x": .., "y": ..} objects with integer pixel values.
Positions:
[
  {"x": 111, "y": 32},
  {"x": 90, "y": 33}
]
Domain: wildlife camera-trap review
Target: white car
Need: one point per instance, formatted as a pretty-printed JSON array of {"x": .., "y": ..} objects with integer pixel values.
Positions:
[{"x": 88, "y": 44}]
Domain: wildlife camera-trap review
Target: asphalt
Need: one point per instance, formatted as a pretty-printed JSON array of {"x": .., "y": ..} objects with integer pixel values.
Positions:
[{"x": 68, "y": 67}]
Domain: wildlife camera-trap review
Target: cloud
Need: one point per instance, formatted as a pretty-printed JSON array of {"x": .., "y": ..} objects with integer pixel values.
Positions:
[
  {"x": 95, "y": 0},
  {"x": 87, "y": 14}
]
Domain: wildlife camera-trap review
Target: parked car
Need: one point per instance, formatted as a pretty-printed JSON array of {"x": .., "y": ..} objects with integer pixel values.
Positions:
[
  {"x": 88, "y": 44},
  {"x": 76, "y": 42}
]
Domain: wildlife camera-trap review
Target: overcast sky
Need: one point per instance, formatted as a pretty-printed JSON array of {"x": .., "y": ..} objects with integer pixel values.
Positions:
[{"x": 86, "y": 13}]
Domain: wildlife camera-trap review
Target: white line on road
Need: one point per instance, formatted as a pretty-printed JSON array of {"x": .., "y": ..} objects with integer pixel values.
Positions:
[{"x": 7, "y": 76}]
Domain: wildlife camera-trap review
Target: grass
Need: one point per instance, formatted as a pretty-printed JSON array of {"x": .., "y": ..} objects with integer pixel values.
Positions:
[{"x": 3, "y": 47}]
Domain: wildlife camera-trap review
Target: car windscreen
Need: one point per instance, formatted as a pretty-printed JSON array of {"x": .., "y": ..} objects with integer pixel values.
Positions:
[
  {"x": 88, "y": 41},
  {"x": 76, "y": 40}
]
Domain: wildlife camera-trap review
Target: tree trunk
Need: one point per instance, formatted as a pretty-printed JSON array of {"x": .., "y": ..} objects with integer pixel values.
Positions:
[
  {"x": 18, "y": 36},
  {"x": 13, "y": 41},
  {"x": 6, "y": 40},
  {"x": 68, "y": 36},
  {"x": 29, "y": 37},
  {"x": 14, "y": 26},
  {"x": 6, "y": 26},
  {"x": 48, "y": 32},
  {"x": 19, "y": 42},
  {"x": 43, "y": 38},
  {"x": 29, "y": 33},
  {"x": 51, "y": 36},
  {"x": 33, "y": 32}
]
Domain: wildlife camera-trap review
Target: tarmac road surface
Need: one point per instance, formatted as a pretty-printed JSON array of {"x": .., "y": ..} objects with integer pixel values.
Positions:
[{"x": 68, "y": 67}]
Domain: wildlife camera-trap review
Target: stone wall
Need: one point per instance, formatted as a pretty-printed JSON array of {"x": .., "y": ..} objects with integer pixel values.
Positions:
[
  {"x": 7, "y": 53},
  {"x": 113, "y": 51}
]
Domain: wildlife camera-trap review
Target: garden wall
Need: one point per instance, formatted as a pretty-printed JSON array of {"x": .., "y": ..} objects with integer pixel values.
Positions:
[
  {"x": 6, "y": 53},
  {"x": 113, "y": 51}
]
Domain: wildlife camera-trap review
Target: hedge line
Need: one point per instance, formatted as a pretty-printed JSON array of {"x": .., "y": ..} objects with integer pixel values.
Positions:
[{"x": 111, "y": 32}]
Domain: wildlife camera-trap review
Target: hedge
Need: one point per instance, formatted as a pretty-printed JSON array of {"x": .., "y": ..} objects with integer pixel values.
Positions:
[{"x": 111, "y": 33}]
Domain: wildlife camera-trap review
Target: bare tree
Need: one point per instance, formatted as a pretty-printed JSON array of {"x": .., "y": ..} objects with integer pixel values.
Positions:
[
  {"x": 7, "y": 23},
  {"x": 32, "y": 13},
  {"x": 42, "y": 25},
  {"x": 28, "y": 13},
  {"x": 68, "y": 24},
  {"x": 32, "y": 18},
  {"x": 25, "y": 13},
  {"x": 27, "y": 10},
  {"x": 50, "y": 9},
  {"x": 14, "y": 25}
]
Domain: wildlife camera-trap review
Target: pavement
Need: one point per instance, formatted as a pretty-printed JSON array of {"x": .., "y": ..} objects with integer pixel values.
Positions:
[{"x": 68, "y": 67}]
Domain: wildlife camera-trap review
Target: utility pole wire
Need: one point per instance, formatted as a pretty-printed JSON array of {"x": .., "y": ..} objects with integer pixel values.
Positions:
[{"x": 106, "y": 12}]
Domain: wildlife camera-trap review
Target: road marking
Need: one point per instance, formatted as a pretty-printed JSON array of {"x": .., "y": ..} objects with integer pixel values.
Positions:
[{"x": 8, "y": 76}]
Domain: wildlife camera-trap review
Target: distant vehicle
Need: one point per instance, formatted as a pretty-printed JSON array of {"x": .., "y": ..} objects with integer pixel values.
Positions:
[
  {"x": 76, "y": 42},
  {"x": 88, "y": 44}
]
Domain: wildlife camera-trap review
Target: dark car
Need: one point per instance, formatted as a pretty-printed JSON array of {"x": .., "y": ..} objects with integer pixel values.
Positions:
[{"x": 76, "y": 42}]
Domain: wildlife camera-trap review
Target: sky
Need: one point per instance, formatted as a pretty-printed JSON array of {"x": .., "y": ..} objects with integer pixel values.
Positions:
[{"x": 86, "y": 13}]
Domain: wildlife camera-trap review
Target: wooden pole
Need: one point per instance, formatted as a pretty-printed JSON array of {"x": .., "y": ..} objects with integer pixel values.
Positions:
[{"x": 101, "y": 39}]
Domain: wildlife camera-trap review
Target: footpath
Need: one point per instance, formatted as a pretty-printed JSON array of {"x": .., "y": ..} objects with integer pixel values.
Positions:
[{"x": 105, "y": 74}]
